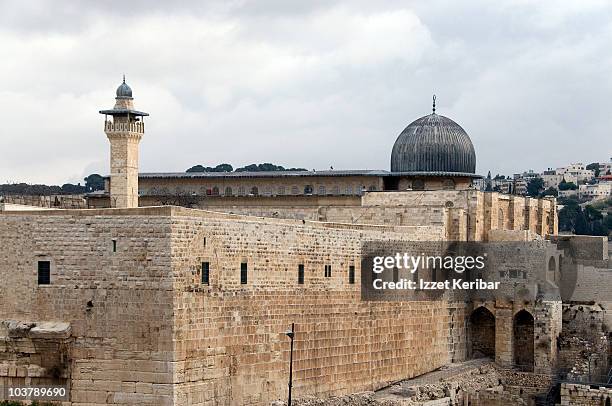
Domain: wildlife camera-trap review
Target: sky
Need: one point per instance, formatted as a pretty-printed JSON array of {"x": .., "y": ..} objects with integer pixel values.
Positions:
[{"x": 310, "y": 84}]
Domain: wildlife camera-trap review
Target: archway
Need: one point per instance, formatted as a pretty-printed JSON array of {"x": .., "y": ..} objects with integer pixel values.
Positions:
[
  {"x": 482, "y": 333},
  {"x": 523, "y": 340},
  {"x": 552, "y": 269}
]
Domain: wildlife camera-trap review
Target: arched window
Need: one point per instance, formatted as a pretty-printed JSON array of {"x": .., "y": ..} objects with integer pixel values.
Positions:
[
  {"x": 255, "y": 191},
  {"x": 281, "y": 190},
  {"x": 418, "y": 184},
  {"x": 294, "y": 190},
  {"x": 321, "y": 190},
  {"x": 215, "y": 191},
  {"x": 336, "y": 190},
  {"x": 448, "y": 184},
  {"x": 552, "y": 265},
  {"x": 552, "y": 269},
  {"x": 228, "y": 191},
  {"x": 349, "y": 190},
  {"x": 308, "y": 190},
  {"x": 240, "y": 190}
]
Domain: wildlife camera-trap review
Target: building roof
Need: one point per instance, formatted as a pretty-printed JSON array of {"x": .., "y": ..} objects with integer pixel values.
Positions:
[
  {"x": 434, "y": 144},
  {"x": 289, "y": 174},
  {"x": 112, "y": 112},
  {"x": 265, "y": 174}
]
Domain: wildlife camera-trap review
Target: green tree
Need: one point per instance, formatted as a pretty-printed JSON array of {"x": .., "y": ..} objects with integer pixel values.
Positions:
[
  {"x": 581, "y": 226},
  {"x": 551, "y": 191},
  {"x": 535, "y": 186},
  {"x": 563, "y": 185},
  {"x": 218, "y": 168},
  {"x": 594, "y": 167},
  {"x": 94, "y": 182}
]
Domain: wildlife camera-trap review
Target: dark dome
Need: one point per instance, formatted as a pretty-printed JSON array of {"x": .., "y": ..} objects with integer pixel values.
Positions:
[
  {"x": 124, "y": 90},
  {"x": 433, "y": 143}
]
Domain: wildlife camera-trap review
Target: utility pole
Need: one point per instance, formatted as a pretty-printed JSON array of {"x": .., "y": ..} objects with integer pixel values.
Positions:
[{"x": 291, "y": 335}]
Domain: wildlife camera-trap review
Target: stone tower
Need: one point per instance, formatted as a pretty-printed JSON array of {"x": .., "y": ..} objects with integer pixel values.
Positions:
[{"x": 124, "y": 132}]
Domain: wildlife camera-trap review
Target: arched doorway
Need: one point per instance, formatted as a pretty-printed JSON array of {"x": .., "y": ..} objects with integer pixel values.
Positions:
[
  {"x": 523, "y": 340},
  {"x": 482, "y": 333}
]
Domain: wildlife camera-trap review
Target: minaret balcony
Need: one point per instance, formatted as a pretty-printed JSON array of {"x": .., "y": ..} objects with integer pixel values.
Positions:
[{"x": 134, "y": 126}]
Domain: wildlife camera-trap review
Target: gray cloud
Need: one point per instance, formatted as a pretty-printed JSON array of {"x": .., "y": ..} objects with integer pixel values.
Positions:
[{"x": 308, "y": 84}]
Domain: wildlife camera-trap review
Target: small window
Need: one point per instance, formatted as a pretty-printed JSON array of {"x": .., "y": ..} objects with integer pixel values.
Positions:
[
  {"x": 294, "y": 190},
  {"x": 322, "y": 190},
  {"x": 307, "y": 190},
  {"x": 352, "y": 274},
  {"x": 228, "y": 191},
  {"x": 114, "y": 245},
  {"x": 301, "y": 274},
  {"x": 44, "y": 272},
  {"x": 205, "y": 273},
  {"x": 281, "y": 190},
  {"x": 215, "y": 191},
  {"x": 255, "y": 191},
  {"x": 204, "y": 242},
  {"x": 244, "y": 270},
  {"x": 328, "y": 271}
]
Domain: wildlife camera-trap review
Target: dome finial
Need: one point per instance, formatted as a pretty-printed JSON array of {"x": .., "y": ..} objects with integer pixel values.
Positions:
[
  {"x": 434, "y": 104},
  {"x": 124, "y": 78}
]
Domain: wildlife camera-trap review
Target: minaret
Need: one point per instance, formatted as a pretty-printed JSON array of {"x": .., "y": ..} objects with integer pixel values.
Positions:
[{"x": 124, "y": 133}]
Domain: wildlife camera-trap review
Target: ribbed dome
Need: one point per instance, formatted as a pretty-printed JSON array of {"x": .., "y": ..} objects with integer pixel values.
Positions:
[
  {"x": 124, "y": 90},
  {"x": 433, "y": 143}
]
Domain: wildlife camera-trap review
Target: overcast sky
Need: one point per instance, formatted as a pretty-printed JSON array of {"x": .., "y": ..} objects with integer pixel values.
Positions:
[{"x": 302, "y": 83}]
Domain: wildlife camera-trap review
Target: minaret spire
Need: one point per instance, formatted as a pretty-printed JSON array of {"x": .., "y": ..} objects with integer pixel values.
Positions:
[
  {"x": 434, "y": 104},
  {"x": 124, "y": 133}
]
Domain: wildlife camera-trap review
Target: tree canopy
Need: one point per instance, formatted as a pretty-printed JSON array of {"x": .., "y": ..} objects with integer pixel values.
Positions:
[
  {"x": 248, "y": 168},
  {"x": 563, "y": 185},
  {"x": 594, "y": 167},
  {"x": 535, "y": 186}
]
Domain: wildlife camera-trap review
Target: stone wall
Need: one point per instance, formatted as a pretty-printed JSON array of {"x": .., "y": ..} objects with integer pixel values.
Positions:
[
  {"x": 585, "y": 395},
  {"x": 118, "y": 304},
  {"x": 145, "y": 330},
  {"x": 584, "y": 343},
  {"x": 230, "y": 342},
  {"x": 468, "y": 214}
]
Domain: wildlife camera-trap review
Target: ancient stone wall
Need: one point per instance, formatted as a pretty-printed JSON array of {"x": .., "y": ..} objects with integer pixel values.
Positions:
[
  {"x": 585, "y": 395},
  {"x": 230, "y": 341},
  {"x": 118, "y": 302},
  {"x": 264, "y": 186}
]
